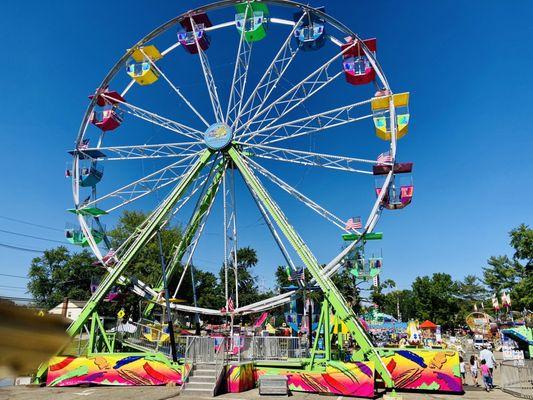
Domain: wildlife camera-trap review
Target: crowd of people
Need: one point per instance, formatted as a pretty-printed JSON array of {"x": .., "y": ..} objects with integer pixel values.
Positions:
[{"x": 481, "y": 366}]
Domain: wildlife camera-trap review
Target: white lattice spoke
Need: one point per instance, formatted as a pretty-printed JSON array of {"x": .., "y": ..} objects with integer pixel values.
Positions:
[
  {"x": 310, "y": 124},
  {"x": 146, "y": 185},
  {"x": 176, "y": 89},
  {"x": 146, "y": 151},
  {"x": 309, "y": 158},
  {"x": 208, "y": 75},
  {"x": 272, "y": 75},
  {"x": 297, "y": 95},
  {"x": 156, "y": 119},
  {"x": 328, "y": 215},
  {"x": 240, "y": 77}
]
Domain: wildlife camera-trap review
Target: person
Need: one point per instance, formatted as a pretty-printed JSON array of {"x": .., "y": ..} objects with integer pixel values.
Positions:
[
  {"x": 474, "y": 369},
  {"x": 487, "y": 355},
  {"x": 487, "y": 376},
  {"x": 462, "y": 369}
]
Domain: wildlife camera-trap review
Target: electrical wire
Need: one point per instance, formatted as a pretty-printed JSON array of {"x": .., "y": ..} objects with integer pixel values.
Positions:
[
  {"x": 34, "y": 237},
  {"x": 31, "y": 223},
  {"x": 9, "y": 246},
  {"x": 15, "y": 276}
]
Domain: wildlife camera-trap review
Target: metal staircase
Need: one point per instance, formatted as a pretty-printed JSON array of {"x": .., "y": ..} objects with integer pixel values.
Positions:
[{"x": 205, "y": 363}]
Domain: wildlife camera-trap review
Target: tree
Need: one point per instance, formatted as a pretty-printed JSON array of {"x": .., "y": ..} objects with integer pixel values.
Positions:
[
  {"x": 471, "y": 289},
  {"x": 146, "y": 264},
  {"x": 248, "y": 289},
  {"x": 402, "y": 299},
  {"x": 522, "y": 242},
  {"x": 514, "y": 275},
  {"x": 436, "y": 299},
  {"x": 59, "y": 273}
]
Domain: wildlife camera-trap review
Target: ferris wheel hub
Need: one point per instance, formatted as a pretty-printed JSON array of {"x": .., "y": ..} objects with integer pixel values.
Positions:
[{"x": 218, "y": 136}]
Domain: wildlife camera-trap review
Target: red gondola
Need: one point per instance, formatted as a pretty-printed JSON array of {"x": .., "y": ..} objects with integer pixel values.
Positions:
[
  {"x": 357, "y": 67},
  {"x": 105, "y": 114},
  {"x": 401, "y": 189},
  {"x": 187, "y": 37}
]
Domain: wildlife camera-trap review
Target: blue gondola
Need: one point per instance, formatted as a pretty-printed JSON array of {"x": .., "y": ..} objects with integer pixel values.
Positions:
[{"x": 311, "y": 34}]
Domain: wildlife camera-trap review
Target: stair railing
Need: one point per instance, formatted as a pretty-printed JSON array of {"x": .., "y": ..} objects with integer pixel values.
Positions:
[{"x": 220, "y": 365}]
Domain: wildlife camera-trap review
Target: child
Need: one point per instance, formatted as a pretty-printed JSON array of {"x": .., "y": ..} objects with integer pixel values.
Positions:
[
  {"x": 474, "y": 367},
  {"x": 462, "y": 369},
  {"x": 487, "y": 377}
]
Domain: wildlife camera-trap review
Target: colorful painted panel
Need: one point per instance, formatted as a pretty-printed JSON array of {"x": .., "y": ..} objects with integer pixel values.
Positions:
[
  {"x": 240, "y": 378},
  {"x": 347, "y": 379},
  {"x": 421, "y": 369},
  {"x": 128, "y": 370}
]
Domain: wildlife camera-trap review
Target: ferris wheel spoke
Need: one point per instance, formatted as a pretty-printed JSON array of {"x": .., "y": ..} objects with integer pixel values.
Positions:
[
  {"x": 297, "y": 95},
  {"x": 240, "y": 77},
  {"x": 208, "y": 76},
  {"x": 156, "y": 119},
  {"x": 328, "y": 215},
  {"x": 310, "y": 158},
  {"x": 136, "y": 152},
  {"x": 146, "y": 185},
  {"x": 272, "y": 75},
  {"x": 175, "y": 89},
  {"x": 310, "y": 124}
]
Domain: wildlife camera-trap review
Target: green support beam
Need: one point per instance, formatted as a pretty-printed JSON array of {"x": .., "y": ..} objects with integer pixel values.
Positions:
[
  {"x": 149, "y": 228},
  {"x": 190, "y": 231},
  {"x": 331, "y": 293}
]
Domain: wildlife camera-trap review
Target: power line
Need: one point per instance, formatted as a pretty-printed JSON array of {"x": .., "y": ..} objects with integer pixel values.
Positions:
[
  {"x": 15, "y": 276},
  {"x": 9, "y": 246},
  {"x": 30, "y": 223},
  {"x": 12, "y": 287},
  {"x": 33, "y": 237}
]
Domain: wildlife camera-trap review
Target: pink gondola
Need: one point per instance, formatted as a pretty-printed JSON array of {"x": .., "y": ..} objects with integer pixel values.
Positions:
[
  {"x": 187, "y": 37},
  {"x": 105, "y": 115},
  {"x": 355, "y": 63}
]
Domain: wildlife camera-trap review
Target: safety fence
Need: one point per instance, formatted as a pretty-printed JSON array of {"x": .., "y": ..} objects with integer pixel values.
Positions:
[
  {"x": 152, "y": 337},
  {"x": 204, "y": 349},
  {"x": 266, "y": 348},
  {"x": 517, "y": 378}
]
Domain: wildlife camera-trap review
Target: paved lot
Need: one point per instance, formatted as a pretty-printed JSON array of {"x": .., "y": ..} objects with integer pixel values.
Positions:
[{"x": 163, "y": 393}]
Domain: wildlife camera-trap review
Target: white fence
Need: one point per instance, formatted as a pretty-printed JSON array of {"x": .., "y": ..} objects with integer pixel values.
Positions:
[{"x": 517, "y": 379}]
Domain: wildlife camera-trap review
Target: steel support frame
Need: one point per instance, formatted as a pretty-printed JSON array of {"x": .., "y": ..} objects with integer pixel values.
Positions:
[
  {"x": 331, "y": 293},
  {"x": 190, "y": 232},
  {"x": 155, "y": 220}
]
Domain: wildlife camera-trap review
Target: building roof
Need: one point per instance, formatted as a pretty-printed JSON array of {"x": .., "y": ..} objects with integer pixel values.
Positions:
[{"x": 77, "y": 303}]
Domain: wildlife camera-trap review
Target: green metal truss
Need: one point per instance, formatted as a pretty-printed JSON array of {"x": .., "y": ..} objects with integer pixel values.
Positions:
[
  {"x": 190, "y": 231},
  {"x": 331, "y": 293},
  {"x": 153, "y": 223}
]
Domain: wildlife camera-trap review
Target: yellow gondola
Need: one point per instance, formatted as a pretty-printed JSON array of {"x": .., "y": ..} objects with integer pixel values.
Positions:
[
  {"x": 139, "y": 66},
  {"x": 380, "y": 106}
]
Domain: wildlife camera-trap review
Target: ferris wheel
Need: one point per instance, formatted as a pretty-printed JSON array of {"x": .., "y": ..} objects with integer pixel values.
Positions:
[{"x": 230, "y": 94}]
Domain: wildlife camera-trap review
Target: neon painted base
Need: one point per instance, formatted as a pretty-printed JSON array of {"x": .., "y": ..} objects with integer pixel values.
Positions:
[
  {"x": 340, "y": 378},
  {"x": 117, "y": 369},
  {"x": 240, "y": 378},
  {"x": 424, "y": 370}
]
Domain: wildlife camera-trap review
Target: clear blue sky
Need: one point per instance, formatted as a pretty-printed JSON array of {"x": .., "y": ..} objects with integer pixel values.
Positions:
[{"x": 468, "y": 68}]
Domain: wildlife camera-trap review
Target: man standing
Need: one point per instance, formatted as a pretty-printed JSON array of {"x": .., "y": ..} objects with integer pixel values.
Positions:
[{"x": 487, "y": 355}]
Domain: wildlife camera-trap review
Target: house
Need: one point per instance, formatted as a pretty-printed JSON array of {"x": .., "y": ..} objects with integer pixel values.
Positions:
[{"x": 68, "y": 308}]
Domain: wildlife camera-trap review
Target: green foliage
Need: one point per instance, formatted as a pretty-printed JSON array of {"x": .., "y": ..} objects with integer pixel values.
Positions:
[
  {"x": 435, "y": 299},
  {"x": 248, "y": 290},
  {"x": 146, "y": 265},
  {"x": 522, "y": 242},
  {"x": 514, "y": 275},
  {"x": 58, "y": 273}
]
